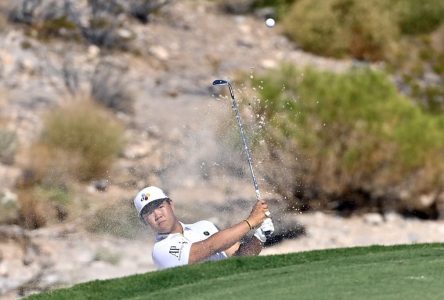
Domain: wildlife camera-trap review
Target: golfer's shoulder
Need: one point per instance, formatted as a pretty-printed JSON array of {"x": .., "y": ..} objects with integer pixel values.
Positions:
[
  {"x": 204, "y": 225},
  {"x": 171, "y": 241}
]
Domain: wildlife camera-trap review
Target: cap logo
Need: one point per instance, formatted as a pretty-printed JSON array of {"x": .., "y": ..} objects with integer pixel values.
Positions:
[{"x": 145, "y": 197}]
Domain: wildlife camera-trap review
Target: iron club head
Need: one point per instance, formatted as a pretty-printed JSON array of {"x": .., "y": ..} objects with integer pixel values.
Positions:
[{"x": 220, "y": 82}]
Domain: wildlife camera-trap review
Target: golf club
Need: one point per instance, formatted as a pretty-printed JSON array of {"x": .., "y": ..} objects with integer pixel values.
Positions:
[{"x": 220, "y": 82}]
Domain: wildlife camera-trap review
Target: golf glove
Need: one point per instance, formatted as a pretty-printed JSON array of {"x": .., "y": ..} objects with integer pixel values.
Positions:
[{"x": 267, "y": 225}]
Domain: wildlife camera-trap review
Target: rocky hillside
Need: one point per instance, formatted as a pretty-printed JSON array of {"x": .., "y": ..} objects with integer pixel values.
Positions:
[{"x": 154, "y": 72}]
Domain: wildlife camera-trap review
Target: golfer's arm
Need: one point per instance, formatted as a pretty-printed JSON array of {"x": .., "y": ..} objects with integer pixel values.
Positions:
[
  {"x": 217, "y": 242},
  {"x": 252, "y": 247}
]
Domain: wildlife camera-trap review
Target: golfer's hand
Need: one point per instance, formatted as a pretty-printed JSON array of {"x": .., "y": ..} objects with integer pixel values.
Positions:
[
  {"x": 267, "y": 226},
  {"x": 258, "y": 214}
]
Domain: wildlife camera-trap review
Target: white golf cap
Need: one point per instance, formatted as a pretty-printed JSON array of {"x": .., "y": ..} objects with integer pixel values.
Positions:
[{"x": 146, "y": 196}]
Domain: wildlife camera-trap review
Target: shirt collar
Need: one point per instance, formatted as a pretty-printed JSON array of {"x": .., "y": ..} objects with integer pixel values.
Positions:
[{"x": 162, "y": 236}]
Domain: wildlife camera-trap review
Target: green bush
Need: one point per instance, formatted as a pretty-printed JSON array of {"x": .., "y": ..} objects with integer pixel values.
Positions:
[
  {"x": 57, "y": 27},
  {"x": 417, "y": 17},
  {"x": 362, "y": 29},
  {"x": 353, "y": 131},
  {"x": 90, "y": 135}
]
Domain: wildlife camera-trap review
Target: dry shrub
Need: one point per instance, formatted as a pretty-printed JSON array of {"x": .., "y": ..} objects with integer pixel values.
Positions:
[
  {"x": 43, "y": 205},
  {"x": 363, "y": 29},
  {"x": 33, "y": 212},
  {"x": 47, "y": 166},
  {"x": 83, "y": 139}
]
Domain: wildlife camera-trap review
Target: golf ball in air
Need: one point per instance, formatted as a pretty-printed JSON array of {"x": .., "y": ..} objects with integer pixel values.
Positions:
[{"x": 270, "y": 22}]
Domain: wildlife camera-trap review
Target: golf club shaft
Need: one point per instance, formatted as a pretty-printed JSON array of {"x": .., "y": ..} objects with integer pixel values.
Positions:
[
  {"x": 244, "y": 140},
  {"x": 247, "y": 150}
]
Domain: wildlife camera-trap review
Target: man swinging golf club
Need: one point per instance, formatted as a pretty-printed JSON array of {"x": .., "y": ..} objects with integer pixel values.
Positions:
[{"x": 181, "y": 244}]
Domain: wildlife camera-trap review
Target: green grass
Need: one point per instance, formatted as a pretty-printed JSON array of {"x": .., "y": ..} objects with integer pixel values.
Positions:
[{"x": 377, "y": 272}]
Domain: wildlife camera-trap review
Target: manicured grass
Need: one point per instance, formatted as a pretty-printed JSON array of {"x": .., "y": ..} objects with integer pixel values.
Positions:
[{"x": 377, "y": 272}]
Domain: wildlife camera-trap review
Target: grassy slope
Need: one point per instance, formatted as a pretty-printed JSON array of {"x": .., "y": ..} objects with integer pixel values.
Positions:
[{"x": 396, "y": 272}]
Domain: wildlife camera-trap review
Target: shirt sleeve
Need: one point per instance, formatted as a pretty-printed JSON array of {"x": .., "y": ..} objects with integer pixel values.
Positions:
[
  {"x": 171, "y": 253},
  {"x": 209, "y": 226}
]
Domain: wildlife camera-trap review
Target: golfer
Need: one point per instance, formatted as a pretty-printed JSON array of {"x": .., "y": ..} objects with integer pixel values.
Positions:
[{"x": 180, "y": 244}]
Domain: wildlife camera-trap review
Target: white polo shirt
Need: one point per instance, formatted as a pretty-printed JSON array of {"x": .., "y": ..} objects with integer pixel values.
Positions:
[{"x": 172, "y": 250}]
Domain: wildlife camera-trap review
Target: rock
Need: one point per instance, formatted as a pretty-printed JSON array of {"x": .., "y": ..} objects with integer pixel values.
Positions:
[
  {"x": 9, "y": 176},
  {"x": 392, "y": 217},
  {"x": 373, "y": 219},
  {"x": 159, "y": 52},
  {"x": 125, "y": 33},
  {"x": 6, "y": 61},
  {"x": 93, "y": 51},
  {"x": 9, "y": 206},
  {"x": 426, "y": 200},
  {"x": 269, "y": 63},
  {"x": 138, "y": 150},
  {"x": 101, "y": 185},
  {"x": 27, "y": 66}
]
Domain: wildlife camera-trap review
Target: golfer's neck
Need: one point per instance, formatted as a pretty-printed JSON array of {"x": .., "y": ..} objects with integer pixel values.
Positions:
[{"x": 177, "y": 227}]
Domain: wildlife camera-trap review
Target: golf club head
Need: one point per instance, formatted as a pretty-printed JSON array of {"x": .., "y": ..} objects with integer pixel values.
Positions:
[{"x": 220, "y": 82}]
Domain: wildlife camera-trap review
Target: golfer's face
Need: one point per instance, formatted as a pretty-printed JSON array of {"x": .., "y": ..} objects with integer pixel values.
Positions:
[{"x": 161, "y": 217}]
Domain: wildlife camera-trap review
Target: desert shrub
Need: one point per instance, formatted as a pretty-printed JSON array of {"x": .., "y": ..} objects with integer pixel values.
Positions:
[
  {"x": 47, "y": 165},
  {"x": 60, "y": 26},
  {"x": 419, "y": 69},
  {"x": 104, "y": 24},
  {"x": 236, "y": 6},
  {"x": 33, "y": 213},
  {"x": 141, "y": 9},
  {"x": 89, "y": 135},
  {"x": 25, "y": 11},
  {"x": 280, "y": 7},
  {"x": 110, "y": 87},
  {"x": 339, "y": 134},
  {"x": 363, "y": 29},
  {"x": 8, "y": 146},
  {"x": 107, "y": 32},
  {"x": 417, "y": 17},
  {"x": 47, "y": 18},
  {"x": 41, "y": 205}
]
